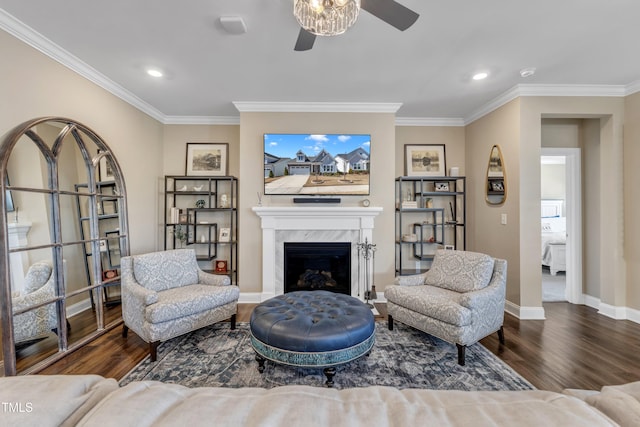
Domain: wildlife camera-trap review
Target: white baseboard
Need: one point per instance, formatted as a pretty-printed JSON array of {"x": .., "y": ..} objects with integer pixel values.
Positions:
[
  {"x": 524, "y": 313},
  {"x": 79, "y": 307}
]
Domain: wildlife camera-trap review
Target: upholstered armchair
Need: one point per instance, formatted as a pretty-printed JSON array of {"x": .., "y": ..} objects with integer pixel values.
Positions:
[
  {"x": 460, "y": 299},
  {"x": 38, "y": 288},
  {"x": 165, "y": 294}
]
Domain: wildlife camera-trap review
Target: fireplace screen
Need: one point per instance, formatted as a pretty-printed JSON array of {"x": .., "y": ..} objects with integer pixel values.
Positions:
[{"x": 317, "y": 266}]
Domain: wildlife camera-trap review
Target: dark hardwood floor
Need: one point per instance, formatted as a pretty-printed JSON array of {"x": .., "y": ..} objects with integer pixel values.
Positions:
[{"x": 573, "y": 348}]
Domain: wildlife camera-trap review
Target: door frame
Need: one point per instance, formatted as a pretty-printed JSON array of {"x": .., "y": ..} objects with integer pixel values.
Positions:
[{"x": 573, "y": 178}]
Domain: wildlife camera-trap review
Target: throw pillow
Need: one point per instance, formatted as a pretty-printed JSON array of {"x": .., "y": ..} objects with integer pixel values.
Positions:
[{"x": 460, "y": 271}]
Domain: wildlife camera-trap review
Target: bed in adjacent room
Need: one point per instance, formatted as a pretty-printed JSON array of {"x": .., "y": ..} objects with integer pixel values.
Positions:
[{"x": 554, "y": 236}]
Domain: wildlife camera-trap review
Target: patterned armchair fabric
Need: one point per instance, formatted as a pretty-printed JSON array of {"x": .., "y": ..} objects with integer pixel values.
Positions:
[
  {"x": 165, "y": 294},
  {"x": 38, "y": 288},
  {"x": 460, "y": 300}
]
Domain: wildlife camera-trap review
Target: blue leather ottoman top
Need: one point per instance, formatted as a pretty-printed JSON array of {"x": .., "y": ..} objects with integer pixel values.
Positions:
[{"x": 312, "y": 321}]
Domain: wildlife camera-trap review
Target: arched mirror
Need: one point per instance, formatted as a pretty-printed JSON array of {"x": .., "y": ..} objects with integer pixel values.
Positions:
[
  {"x": 62, "y": 233},
  {"x": 496, "y": 187}
]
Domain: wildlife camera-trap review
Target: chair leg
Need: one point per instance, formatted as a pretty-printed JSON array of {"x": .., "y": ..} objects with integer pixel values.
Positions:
[
  {"x": 233, "y": 321},
  {"x": 153, "y": 350},
  {"x": 461, "y": 352},
  {"x": 501, "y": 335},
  {"x": 390, "y": 322},
  {"x": 125, "y": 331}
]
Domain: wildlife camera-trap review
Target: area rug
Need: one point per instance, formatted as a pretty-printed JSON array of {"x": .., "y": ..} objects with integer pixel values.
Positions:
[{"x": 217, "y": 356}]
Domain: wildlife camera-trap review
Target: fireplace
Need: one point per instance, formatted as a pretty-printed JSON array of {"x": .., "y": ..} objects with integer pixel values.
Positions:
[
  {"x": 316, "y": 224},
  {"x": 310, "y": 266}
]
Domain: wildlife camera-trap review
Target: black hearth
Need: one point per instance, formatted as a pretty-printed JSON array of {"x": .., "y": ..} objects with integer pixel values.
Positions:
[{"x": 317, "y": 266}]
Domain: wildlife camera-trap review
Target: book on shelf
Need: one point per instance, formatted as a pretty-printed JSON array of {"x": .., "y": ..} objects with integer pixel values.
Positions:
[{"x": 409, "y": 204}]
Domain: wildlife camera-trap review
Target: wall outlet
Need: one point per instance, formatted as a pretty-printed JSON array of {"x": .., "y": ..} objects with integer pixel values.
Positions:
[{"x": 503, "y": 219}]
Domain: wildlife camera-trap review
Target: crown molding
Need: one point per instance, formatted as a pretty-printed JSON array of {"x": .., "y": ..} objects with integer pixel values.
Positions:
[
  {"x": 430, "y": 121},
  {"x": 523, "y": 90},
  {"x": 37, "y": 41},
  {"x": 632, "y": 88},
  {"x": 201, "y": 120},
  {"x": 317, "y": 107}
]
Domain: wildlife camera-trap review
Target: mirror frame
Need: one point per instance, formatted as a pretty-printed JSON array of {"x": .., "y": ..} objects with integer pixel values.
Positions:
[
  {"x": 491, "y": 196},
  {"x": 84, "y": 138}
]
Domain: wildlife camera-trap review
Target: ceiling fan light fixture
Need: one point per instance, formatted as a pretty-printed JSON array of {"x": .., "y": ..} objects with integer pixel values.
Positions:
[{"x": 326, "y": 17}]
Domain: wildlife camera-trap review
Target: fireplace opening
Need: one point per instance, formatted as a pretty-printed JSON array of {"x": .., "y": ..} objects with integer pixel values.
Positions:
[{"x": 317, "y": 266}]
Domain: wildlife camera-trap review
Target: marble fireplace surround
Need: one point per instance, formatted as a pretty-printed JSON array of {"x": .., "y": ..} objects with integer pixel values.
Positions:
[{"x": 311, "y": 224}]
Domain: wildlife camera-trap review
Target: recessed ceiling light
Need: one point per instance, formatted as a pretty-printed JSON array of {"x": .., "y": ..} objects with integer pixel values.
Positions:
[
  {"x": 154, "y": 72},
  {"x": 527, "y": 72},
  {"x": 480, "y": 76}
]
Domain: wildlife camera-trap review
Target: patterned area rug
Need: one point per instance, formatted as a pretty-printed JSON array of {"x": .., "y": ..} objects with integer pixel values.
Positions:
[{"x": 403, "y": 358}]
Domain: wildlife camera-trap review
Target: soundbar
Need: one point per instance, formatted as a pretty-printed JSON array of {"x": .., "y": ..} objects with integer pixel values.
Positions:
[{"x": 316, "y": 200}]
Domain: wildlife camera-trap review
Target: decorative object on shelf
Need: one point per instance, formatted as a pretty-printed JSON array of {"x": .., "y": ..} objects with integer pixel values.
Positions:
[
  {"x": 207, "y": 159},
  {"x": 109, "y": 274},
  {"x": 441, "y": 186},
  {"x": 183, "y": 188},
  {"x": 259, "y": 199},
  {"x": 425, "y": 160},
  {"x": 428, "y": 203},
  {"x": 454, "y": 171},
  {"x": 366, "y": 203},
  {"x": 225, "y": 235},
  {"x": 497, "y": 186},
  {"x": 180, "y": 234},
  {"x": 409, "y": 237},
  {"x": 221, "y": 266},
  {"x": 367, "y": 252},
  {"x": 197, "y": 187},
  {"x": 224, "y": 200},
  {"x": 200, "y": 203}
]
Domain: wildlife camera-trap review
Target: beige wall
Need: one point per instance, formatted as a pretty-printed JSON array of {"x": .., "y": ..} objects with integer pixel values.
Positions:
[
  {"x": 486, "y": 233},
  {"x": 608, "y": 113},
  {"x": 33, "y": 85},
  {"x": 632, "y": 198},
  {"x": 381, "y": 126}
]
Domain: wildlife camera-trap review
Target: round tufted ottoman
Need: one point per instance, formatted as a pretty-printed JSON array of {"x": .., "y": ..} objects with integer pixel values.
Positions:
[{"x": 313, "y": 329}]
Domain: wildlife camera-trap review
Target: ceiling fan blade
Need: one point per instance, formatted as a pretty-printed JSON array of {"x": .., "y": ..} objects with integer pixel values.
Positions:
[
  {"x": 305, "y": 40},
  {"x": 391, "y": 12}
]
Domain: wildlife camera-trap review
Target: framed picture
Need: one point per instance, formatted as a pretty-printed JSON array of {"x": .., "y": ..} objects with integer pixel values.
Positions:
[
  {"x": 441, "y": 186},
  {"x": 207, "y": 159},
  {"x": 105, "y": 169},
  {"x": 425, "y": 160},
  {"x": 225, "y": 235}
]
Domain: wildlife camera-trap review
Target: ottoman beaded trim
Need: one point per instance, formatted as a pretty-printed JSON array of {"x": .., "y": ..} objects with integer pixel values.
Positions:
[{"x": 313, "y": 359}]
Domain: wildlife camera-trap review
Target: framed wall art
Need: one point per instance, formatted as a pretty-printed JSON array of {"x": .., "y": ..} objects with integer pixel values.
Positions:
[
  {"x": 207, "y": 159},
  {"x": 425, "y": 160}
]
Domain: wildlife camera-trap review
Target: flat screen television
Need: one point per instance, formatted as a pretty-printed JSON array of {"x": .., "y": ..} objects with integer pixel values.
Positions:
[{"x": 317, "y": 165}]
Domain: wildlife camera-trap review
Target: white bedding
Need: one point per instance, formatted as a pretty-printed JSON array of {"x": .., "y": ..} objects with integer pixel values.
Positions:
[{"x": 554, "y": 238}]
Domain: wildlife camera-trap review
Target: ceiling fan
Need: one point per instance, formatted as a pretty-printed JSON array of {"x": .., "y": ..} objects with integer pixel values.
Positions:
[{"x": 390, "y": 11}]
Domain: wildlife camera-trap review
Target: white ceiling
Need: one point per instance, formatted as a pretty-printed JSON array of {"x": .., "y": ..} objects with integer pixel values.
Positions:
[{"x": 579, "y": 47}]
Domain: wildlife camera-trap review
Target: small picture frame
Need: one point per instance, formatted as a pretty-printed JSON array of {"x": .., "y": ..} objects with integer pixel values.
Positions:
[
  {"x": 441, "y": 186},
  {"x": 206, "y": 159},
  {"x": 109, "y": 274},
  {"x": 449, "y": 248},
  {"x": 220, "y": 266},
  {"x": 225, "y": 235},
  {"x": 425, "y": 160},
  {"x": 105, "y": 168}
]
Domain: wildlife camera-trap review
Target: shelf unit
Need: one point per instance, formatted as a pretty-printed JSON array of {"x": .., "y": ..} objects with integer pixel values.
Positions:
[
  {"x": 430, "y": 215},
  {"x": 203, "y": 210},
  {"x": 107, "y": 208}
]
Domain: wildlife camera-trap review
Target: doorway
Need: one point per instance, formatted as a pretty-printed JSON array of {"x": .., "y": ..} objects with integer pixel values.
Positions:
[{"x": 569, "y": 221}]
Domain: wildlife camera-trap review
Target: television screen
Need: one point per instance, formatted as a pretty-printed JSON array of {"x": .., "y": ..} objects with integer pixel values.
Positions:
[{"x": 316, "y": 165}]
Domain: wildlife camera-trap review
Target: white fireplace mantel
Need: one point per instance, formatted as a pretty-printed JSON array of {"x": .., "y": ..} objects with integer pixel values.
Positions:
[{"x": 309, "y": 223}]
